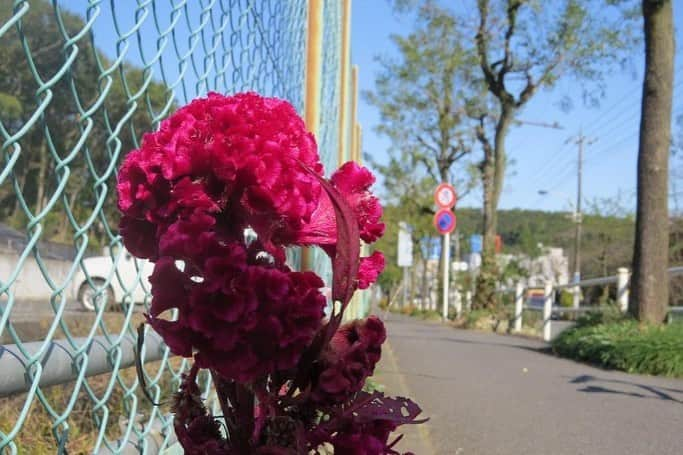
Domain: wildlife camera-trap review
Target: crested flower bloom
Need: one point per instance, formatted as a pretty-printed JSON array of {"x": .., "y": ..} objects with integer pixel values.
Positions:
[
  {"x": 216, "y": 169},
  {"x": 236, "y": 159},
  {"x": 353, "y": 352},
  {"x": 370, "y": 268},
  {"x": 240, "y": 318}
]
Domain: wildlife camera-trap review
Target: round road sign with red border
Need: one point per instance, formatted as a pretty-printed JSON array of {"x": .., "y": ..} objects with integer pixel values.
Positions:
[
  {"x": 444, "y": 221},
  {"x": 445, "y": 196}
]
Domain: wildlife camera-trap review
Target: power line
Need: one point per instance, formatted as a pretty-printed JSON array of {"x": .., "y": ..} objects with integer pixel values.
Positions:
[
  {"x": 563, "y": 164},
  {"x": 614, "y": 145}
]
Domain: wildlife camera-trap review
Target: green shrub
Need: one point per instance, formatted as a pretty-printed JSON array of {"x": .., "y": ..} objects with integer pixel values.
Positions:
[
  {"x": 532, "y": 319},
  {"x": 566, "y": 298},
  {"x": 607, "y": 314},
  {"x": 626, "y": 346},
  {"x": 430, "y": 314},
  {"x": 474, "y": 316}
]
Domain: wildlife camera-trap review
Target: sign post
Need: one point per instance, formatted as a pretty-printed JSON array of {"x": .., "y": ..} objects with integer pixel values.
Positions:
[
  {"x": 405, "y": 255},
  {"x": 445, "y": 221}
]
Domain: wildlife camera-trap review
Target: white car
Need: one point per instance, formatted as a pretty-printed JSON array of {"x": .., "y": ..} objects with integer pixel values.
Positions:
[{"x": 113, "y": 280}]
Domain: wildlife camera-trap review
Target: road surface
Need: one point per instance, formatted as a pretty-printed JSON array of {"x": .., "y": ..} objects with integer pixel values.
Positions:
[{"x": 490, "y": 394}]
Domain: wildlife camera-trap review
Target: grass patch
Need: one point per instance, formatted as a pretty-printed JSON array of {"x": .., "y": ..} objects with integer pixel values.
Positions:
[
  {"x": 36, "y": 435},
  {"x": 625, "y": 345},
  {"x": 414, "y": 311}
]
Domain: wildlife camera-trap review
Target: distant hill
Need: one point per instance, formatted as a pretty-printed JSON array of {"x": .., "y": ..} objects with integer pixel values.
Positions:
[{"x": 607, "y": 241}]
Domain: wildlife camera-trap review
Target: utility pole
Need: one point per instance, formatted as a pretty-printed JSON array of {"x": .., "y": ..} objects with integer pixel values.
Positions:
[{"x": 581, "y": 141}]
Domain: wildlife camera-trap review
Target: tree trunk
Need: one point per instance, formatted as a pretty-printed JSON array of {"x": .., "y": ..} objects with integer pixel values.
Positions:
[
  {"x": 493, "y": 179},
  {"x": 413, "y": 284},
  {"x": 425, "y": 285},
  {"x": 484, "y": 295},
  {"x": 649, "y": 295},
  {"x": 42, "y": 177}
]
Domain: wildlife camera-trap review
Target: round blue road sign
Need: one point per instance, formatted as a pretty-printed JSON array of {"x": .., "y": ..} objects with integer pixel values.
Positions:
[{"x": 444, "y": 221}]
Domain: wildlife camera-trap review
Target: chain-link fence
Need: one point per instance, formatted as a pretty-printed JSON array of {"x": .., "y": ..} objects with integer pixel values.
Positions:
[{"x": 80, "y": 82}]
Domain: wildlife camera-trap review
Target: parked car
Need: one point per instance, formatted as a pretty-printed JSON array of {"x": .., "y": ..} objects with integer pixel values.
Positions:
[{"x": 109, "y": 282}]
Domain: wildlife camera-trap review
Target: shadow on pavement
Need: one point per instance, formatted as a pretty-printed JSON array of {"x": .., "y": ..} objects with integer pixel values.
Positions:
[
  {"x": 539, "y": 349},
  {"x": 656, "y": 392}
]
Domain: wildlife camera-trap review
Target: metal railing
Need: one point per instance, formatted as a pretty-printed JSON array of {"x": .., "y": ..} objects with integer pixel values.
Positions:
[{"x": 621, "y": 279}]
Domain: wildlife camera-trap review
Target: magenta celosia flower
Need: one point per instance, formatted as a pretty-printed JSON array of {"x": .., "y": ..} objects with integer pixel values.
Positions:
[
  {"x": 353, "y": 182},
  {"x": 239, "y": 319},
  {"x": 216, "y": 167},
  {"x": 237, "y": 158},
  {"x": 370, "y": 268},
  {"x": 353, "y": 352}
]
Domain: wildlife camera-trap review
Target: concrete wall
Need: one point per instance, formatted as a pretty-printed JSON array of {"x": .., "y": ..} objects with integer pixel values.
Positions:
[{"x": 30, "y": 283}]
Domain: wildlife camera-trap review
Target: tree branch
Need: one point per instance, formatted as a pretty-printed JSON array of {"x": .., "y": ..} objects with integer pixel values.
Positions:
[
  {"x": 483, "y": 46},
  {"x": 480, "y": 132},
  {"x": 427, "y": 145}
]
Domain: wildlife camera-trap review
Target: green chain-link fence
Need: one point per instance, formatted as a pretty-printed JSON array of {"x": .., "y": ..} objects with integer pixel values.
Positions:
[{"x": 80, "y": 82}]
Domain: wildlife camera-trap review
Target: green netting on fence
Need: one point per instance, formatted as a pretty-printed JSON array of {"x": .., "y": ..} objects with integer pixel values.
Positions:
[{"x": 80, "y": 82}]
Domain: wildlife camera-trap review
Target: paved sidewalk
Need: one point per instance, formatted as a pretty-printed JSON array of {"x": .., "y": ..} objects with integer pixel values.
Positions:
[{"x": 490, "y": 394}]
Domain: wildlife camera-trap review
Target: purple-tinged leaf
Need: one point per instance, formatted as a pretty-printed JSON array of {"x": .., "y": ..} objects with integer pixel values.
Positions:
[
  {"x": 376, "y": 406},
  {"x": 346, "y": 259}
]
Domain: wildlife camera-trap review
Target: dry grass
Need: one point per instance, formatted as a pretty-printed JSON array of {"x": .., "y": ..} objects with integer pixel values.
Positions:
[
  {"x": 78, "y": 324},
  {"x": 36, "y": 435}
]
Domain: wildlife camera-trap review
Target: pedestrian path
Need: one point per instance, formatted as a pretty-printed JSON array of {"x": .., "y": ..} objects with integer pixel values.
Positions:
[{"x": 491, "y": 394}]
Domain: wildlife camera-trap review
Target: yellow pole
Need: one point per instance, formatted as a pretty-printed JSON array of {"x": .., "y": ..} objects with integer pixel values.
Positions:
[
  {"x": 344, "y": 79},
  {"x": 354, "y": 111},
  {"x": 314, "y": 46}
]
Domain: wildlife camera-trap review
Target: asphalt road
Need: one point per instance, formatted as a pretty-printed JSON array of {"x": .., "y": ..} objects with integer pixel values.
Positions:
[{"x": 491, "y": 394}]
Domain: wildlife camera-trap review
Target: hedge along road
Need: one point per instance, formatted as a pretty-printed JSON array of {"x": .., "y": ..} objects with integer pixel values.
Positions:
[{"x": 491, "y": 394}]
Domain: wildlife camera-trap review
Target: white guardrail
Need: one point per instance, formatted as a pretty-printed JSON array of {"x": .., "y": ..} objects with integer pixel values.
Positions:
[{"x": 622, "y": 280}]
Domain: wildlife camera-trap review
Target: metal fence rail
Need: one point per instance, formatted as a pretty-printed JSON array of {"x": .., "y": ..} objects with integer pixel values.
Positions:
[
  {"x": 80, "y": 82},
  {"x": 621, "y": 280}
]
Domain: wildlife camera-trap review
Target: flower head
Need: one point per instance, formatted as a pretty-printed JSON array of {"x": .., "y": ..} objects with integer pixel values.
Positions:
[
  {"x": 235, "y": 159},
  {"x": 240, "y": 319},
  {"x": 217, "y": 169},
  {"x": 353, "y": 352}
]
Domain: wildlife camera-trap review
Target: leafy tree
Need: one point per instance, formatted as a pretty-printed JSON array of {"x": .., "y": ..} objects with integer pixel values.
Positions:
[
  {"x": 408, "y": 207},
  {"x": 648, "y": 297},
  {"x": 421, "y": 99},
  {"x": 523, "y": 46},
  {"x": 519, "y": 48},
  {"x": 421, "y": 95},
  {"x": 87, "y": 123}
]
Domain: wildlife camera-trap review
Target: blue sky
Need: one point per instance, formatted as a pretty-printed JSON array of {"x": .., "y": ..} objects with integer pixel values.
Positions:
[{"x": 543, "y": 160}]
